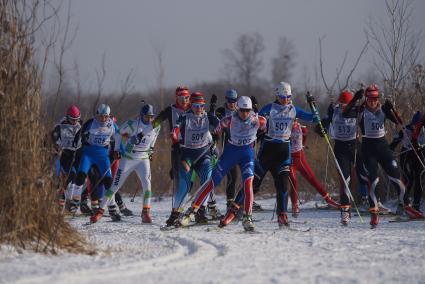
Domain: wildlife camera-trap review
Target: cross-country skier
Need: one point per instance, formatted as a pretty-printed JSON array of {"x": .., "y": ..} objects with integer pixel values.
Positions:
[
  {"x": 275, "y": 151},
  {"x": 239, "y": 150},
  {"x": 192, "y": 132},
  {"x": 96, "y": 135},
  {"x": 375, "y": 148},
  {"x": 172, "y": 114},
  {"x": 344, "y": 132},
  {"x": 137, "y": 140},
  {"x": 63, "y": 137},
  {"x": 300, "y": 164},
  {"x": 228, "y": 109}
]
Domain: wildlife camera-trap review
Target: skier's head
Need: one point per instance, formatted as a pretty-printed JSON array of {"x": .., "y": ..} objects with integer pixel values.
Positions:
[
  {"x": 345, "y": 97},
  {"x": 283, "y": 92},
  {"x": 244, "y": 107},
  {"x": 103, "y": 112},
  {"x": 73, "y": 114},
  {"x": 182, "y": 97},
  {"x": 231, "y": 99},
  {"x": 147, "y": 113},
  {"x": 372, "y": 96},
  {"x": 197, "y": 102}
]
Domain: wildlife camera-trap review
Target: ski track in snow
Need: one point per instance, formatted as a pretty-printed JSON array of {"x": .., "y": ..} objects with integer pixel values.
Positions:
[{"x": 132, "y": 252}]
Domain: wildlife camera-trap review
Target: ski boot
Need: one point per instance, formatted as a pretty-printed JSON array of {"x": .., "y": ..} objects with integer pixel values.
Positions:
[
  {"x": 247, "y": 223},
  {"x": 413, "y": 213},
  {"x": 146, "y": 218},
  {"x": 188, "y": 217},
  {"x": 124, "y": 210},
  {"x": 213, "y": 211},
  {"x": 73, "y": 206},
  {"x": 417, "y": 207},
  {"x": 200, "y": 216},
  {"x": 386, "y": 211},
  {"x": 331, "y": 202},
  {"x": 256, "y": 207},
  {"x": 345, "y": 215},
  {"x": 85, "y": 208},
  {"x": 282, "y": 219},
  {"x": 175, "y": 215},
  {"x": 295, "y": 210},
  {"x": 113, "y": 213},
  {"x": 97, "y": 215},
  {"x": 230, "y": 215},
  {"x": 374, "y": 217}
]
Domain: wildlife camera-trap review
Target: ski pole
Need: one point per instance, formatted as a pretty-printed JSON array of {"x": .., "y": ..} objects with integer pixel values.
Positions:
[
  {"x": 66, "y": 178},
  {"x": 134, "y": 194},
  {"x": 322, "y": 129}
]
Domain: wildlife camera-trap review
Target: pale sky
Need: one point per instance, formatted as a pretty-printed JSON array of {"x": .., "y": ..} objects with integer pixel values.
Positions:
[{"x": 193, "y": 33}]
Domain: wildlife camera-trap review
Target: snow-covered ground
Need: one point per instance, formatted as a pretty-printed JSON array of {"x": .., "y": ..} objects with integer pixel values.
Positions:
[{"x": 130, "y": 252}]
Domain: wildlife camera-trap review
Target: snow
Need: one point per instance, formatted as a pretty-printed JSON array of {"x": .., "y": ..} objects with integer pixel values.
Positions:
[{"x": 132, "y": 252}]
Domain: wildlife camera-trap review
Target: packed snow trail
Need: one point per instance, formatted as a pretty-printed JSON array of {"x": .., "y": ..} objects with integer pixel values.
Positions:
[{"x": 132, "y": 252}]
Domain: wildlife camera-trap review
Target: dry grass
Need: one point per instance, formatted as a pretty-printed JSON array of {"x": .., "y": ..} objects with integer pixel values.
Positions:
[{"x": 29, "y": 216}]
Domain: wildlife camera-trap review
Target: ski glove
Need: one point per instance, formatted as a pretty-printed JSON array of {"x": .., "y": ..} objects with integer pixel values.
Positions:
[
  {"x": 213, "y": 100},
  {"x": 358, "y": 95},
  {"x": 254, "y": 104},
  {"x": 310, "y": 99},
  {"x": 388, "y": 105}
]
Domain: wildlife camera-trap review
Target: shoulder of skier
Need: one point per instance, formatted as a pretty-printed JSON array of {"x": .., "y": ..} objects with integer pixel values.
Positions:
[
  {"x": 223, "y": 124},
  {"x": 265, "y": 110}
]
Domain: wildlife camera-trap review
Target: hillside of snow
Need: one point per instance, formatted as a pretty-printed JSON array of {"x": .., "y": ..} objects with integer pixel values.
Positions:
[{"x": 132, "y": 252}]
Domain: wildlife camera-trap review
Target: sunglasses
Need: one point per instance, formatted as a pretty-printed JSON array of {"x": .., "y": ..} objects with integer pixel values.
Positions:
[
  {"x": 284, "y": 97},
  {"x": 231, "y": 101},
  {"x": 198, "y": 105},
  {"x": 244, "y": 110}
]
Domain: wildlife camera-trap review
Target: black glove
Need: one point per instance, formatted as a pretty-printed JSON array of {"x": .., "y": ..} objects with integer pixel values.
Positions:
[
  {"x": 310, "y": 98},
  {"x": 388, "y": 105},
  {"x": 213, "y": 100},
  {"x": 254, "y": 104},
  {"x": 358, "y": 95},
  {"x": 254, "y": 100}
]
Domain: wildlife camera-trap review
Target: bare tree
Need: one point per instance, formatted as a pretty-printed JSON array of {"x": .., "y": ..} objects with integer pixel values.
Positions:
[
  {"x": 330, "y": 88},
  {"x": 244, "y": 62},
  {"x": 127, "y": 87},
  {"x": 396, "y": 44},
  {"x": 284, "y": 61},
  {"x": 66, "y": 41}
]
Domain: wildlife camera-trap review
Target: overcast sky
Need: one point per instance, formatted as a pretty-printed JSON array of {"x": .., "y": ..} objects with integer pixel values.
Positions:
[{"x": 193, "y": 33}]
